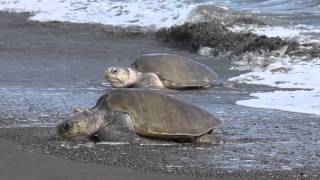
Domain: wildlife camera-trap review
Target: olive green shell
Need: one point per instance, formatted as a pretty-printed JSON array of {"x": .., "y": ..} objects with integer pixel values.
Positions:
[
  {"x": 175, "y": 71},
  {"x": 159, "y": 115}
]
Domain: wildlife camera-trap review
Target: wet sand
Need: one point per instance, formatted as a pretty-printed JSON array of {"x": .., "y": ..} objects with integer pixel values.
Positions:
[
  {"x": 48, "y": 68},
  {"x": 16, "y": 164}
]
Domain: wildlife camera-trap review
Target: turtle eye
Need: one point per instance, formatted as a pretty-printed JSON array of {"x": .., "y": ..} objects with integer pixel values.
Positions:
[
  {"x": 67, "y": 126},
  {"x": 86, "y": 112},
  {"x": 114, "y": 71}
]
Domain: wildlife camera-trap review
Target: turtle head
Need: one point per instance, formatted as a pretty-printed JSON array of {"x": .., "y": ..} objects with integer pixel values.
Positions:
[
  {"x": 81, "y": 125},
  {"x": 120, "y": 77}
]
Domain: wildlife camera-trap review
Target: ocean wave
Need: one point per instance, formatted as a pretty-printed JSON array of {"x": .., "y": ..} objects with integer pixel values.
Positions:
[
  {"x": 278, "y": 69},
  {"x": 148, "y": 13}
]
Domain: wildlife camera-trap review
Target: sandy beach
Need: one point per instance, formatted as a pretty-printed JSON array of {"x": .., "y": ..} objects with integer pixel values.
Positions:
[{"x": 48, "y": 68}]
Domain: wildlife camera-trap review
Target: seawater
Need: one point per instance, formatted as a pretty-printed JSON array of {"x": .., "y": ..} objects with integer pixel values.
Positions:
[{"x": 155, "y": 13}]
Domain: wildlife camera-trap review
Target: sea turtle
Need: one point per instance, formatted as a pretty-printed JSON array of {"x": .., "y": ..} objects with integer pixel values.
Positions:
[
  {"x": 132, "y": 115},
  {"x": 162, "y": 71}
]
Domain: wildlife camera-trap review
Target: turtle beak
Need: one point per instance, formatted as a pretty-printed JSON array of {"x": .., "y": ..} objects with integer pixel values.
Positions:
[
  {"x": 63, "y": 128},
  {"x": 110, "y": 72}
]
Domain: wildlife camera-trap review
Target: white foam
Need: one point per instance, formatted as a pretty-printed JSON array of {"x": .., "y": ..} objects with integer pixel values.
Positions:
[
  {"x": 112, "y": 143},
  {"x": 283, "y": 72},
  {"x": 286, "y": 73},
  {"x": 173, "y": 166},
  {"x": 301, "y": 33},
  {"x": 223, "y": 7},
  {"x": 283, "y": 32},
  {"x": 148, "y": 13},
  {"x": 91, "y": 144},
  {"x": 158, "y": 144},
  {"x": 205, "y": 51},
  {"x": 267, "y": 30},
  {"x": 293, "y": 101}
]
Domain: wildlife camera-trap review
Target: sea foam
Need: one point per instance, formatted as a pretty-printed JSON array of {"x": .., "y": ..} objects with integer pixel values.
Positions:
[
  {"x": 146, "y": 13},
  {"x": 283, "y": 71},
  {"x": 287, "y": 73}
]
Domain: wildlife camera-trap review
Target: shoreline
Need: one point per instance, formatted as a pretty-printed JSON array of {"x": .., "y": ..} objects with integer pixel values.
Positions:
[{"x": 62, "y": 63}]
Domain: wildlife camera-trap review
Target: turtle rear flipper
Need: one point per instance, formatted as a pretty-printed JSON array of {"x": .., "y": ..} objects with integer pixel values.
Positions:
[
  {"x": 212, "y": 139},
  {"x": 224, "y": 84},
  {"x": 191, "y": 85}
]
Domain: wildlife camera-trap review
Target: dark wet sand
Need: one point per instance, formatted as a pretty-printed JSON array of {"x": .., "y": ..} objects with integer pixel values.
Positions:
[
  {"x": 16, "y": 164},
  {"x": 48, "y": 68}
]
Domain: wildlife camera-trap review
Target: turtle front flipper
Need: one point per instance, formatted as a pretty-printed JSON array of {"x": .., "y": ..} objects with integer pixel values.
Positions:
[
  {"x": 151, "y": 80},
  {"x": 117, "y": 129}
]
